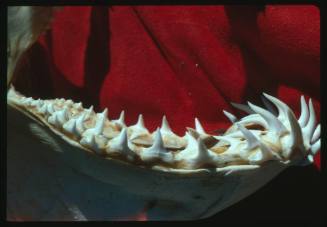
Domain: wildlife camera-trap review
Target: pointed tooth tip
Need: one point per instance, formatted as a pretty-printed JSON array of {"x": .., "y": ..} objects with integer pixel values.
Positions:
[
  {"x": 250, "y": 137},
  {"x": 198, "y": 126},
  {"x": 230, "y": 116},
  {"x": 303, "y": 101},
  {"x": 105, "y": 111},
  {"x": 242, "y": 107},
  {"x": 268, "y": 96},
  {"x": 316, "y": 134},
  {"x": 140, "y": 121},
  {"x": 165, "y": 125},
  {"x": 265, "y": 94},
  {"x": 197, "y": 121},
  {"x": 253, "y": 107},
  {"x": 140, "y": 117}
]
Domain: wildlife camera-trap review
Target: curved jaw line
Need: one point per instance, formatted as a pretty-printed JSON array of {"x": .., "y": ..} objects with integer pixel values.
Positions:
[{"x": 250, "y": 142}]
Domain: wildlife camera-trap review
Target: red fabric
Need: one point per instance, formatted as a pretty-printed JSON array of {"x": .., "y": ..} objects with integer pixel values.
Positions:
[{"x": 180, "y": 61}]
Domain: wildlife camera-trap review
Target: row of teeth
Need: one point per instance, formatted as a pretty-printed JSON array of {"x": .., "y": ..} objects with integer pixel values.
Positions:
[{"x": 135, "y": 143}]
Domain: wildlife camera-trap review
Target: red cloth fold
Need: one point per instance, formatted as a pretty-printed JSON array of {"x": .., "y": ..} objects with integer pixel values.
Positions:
[{"x": 179, "y": 61}]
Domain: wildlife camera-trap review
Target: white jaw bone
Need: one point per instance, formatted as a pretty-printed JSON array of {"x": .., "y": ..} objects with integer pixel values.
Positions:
[{"x": 252, "y": 140}]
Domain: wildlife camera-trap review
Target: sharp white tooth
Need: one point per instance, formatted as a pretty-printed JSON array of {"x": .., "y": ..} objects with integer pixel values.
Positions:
[
  {"x": 264, "y": 155},
  {"x": 195, "y": 154},
  {"x": 43, "y": 109},
  {"x": 309, "y": 128},
  {"x": 80, "y": 123},
  {"x": 165, "y": 128},
  {"x": 78, "y": 105},
  {"x": 75, "y": 125},
  {"x": 69, "y": 103},
  {"x": 90, "y": 142},
  {"x": 230, "y": 116},
  {"x": 203, "y": 155},
  {"x": 121, "y": 120},
  {"x": 304, "y": 113},
  {"x": 268, "y": 105},
  {"x": 281, "y": 106},
  {"x": 89, "y": 112},
  {"x": 296, "y": 132},
  {"x": 191, "y": 141},
  {"x": 27, "y": 101},
  {"x": 96, "y": 142},
  {"x": 59, "y": 102},
  {"x": 138, "y": 129},
  {"x": 254, "y": 119},
  {"x": 252, "y": 141},
  {"x": 120, "y": 144},
  {"x": 70, "y": 126},
  {"x": 37, "y": 103},
  {"x": 157, "y": 150},
  {"x": 273, "y": 123},
  {"x": 315, "y": 147},
  {"x": 59, "y": 117},
  {"x": 140, "y": 122},
  {"x": 99, "y": 125},
  {"x": 316, "y": 134},
  {"x": 198, "y": 127},
  {"x": 101, "y": 119},
  {"x": 50, "y": 108},
  {"x": 242, "y": 107},
  {"x": 63, "y": 115}
]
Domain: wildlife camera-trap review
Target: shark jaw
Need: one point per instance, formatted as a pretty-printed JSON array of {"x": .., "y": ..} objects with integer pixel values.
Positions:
[{"x": 252, "y": 140}]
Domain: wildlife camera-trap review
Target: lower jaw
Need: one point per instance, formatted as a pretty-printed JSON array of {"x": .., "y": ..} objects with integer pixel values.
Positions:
[
  {"x": 218, "y": 187},
  {"x": 177, "y": 196}
]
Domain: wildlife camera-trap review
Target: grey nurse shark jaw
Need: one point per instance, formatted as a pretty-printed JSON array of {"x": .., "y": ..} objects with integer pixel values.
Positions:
[{"x": 161, "y": 165}]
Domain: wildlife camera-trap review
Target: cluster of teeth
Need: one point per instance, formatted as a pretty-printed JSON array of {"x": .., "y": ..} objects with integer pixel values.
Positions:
[{"x": 277, "y": 138}]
